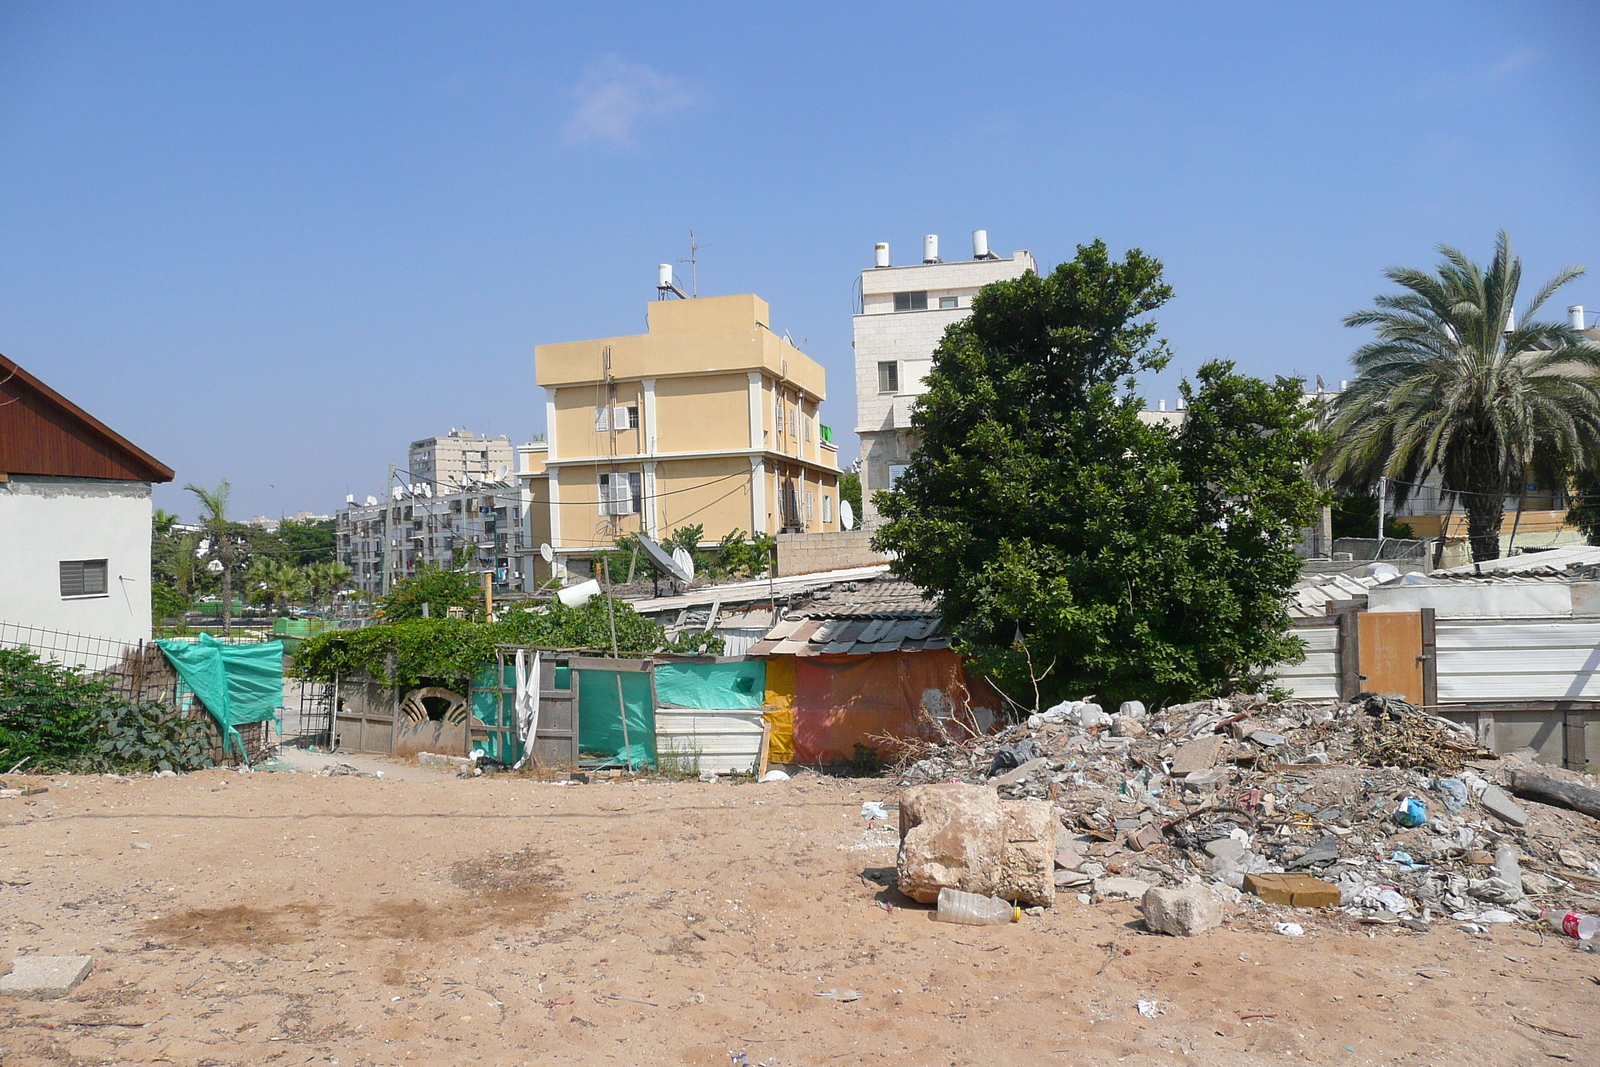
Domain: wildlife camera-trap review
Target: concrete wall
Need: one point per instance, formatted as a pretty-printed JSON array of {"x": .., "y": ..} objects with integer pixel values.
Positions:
[
  {"x": 44, "y": 521},
  {"x": 1489, "y": 600},
  {"x": 809, "y": 553}
]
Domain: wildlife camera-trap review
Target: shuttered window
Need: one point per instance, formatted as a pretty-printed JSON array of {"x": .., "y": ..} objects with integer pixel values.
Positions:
[{"x": 83, "y": 577}]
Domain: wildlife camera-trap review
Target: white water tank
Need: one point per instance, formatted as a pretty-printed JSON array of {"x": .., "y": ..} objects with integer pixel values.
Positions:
[
  {"x": 930, "y": 248},
  {"x": 576, "y": 596},
  {"x": 880, "y": 254},
  {"x": 1575, "y": 316},
  {"x": 980, "y": 244},
  {"x": 664, "y": 276}
]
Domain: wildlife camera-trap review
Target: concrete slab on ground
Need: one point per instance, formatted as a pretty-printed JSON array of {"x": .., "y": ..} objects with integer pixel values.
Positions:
[{"x": 45, "y": 977}]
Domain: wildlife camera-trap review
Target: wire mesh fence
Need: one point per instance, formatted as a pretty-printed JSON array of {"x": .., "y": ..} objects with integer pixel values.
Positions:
[{"x": 134, "y": 671}]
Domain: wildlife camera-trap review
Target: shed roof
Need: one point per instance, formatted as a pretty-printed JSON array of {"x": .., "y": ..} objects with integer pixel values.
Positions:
[
  {"x": 887, "y": 615},
  {"x": 44, "y": 433}
]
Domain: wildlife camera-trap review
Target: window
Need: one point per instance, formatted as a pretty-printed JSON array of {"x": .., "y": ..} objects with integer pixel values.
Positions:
[
  {"x": 888, "y": 377},
  {"x": 911, "y": 301},
  {"x": 607, "y": 419},
  {"x": 83, "y": 577},
  {"x": 827, "y": 508},
  {"x": 895, "y": 471},
  {"x": 948, "y": 302},
  {"x": 811, "y": 503},
  {"x": 621, "y": 494}
]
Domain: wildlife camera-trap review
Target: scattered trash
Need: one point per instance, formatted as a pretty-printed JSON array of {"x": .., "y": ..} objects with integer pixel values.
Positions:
[
  {"x": 1574, "y": 924},
  {"x": 1289, "y": 929},
  {"x": 873, "y": 809},
  {"x": 975, "y": 909},
  {"x": 844, "y": 997},
  {"x": 1393, "y": 815},
  {"x": 775, "y": 776},
  {"x": 1150, "y": 1009},
  {"x": 708, "y": 776},
  {"x": 1411, "y": 812}
]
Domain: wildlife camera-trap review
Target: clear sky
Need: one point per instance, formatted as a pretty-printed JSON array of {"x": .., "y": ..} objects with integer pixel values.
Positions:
[{"x": 276, "y": 242}]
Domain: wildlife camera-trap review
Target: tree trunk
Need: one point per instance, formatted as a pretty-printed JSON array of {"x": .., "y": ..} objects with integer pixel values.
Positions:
[
  {"x": 227, "y": 592},
  {"x": 1484, "y": 514}
]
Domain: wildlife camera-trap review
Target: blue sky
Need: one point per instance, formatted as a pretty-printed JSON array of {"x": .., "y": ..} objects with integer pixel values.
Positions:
[{"x": 276, "y": 242}]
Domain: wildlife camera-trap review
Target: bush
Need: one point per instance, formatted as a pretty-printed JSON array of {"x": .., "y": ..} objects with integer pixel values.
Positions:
[{"x": 52, "y": 718}]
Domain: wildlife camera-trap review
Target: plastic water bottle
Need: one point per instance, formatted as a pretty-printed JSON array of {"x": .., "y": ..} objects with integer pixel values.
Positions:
[
  {"x": 975, "y": 909},
  {"x": 1574, "y": 924}
]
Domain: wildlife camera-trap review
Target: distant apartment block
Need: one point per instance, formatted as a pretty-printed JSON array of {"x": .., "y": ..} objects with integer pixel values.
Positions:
[
  {"x": 459, "y": 458},
  {"x": 495, "y": 524},
  {"x": 900, "y": 318},
  {"x": 709, "y": 418}
]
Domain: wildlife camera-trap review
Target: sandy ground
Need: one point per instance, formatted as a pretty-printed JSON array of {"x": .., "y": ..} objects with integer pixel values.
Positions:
[{"x": 289, "y": 918}]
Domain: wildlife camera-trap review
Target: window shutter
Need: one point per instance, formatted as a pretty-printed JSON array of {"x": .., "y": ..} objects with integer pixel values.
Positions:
[{"x": 602, "y": 420}]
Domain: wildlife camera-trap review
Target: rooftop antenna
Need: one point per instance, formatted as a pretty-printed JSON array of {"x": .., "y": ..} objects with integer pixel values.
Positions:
[{"x": 694, "y": 255}]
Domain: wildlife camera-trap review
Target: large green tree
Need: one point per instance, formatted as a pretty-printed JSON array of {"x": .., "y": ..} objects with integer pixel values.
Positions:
[
  {"x": 1457, "y": 384},
  {"x": 1073, "y": 547}
]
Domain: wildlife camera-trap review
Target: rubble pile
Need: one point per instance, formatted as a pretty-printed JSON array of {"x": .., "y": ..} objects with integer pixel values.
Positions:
[{"x": 1398, "y": 816}]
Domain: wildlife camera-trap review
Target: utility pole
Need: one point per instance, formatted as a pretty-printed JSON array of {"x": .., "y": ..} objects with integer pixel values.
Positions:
[{"x": 1383, "y": 506}]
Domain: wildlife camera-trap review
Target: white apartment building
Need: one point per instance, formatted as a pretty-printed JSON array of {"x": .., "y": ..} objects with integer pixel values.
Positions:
[
  {"x": 497, "y": 523},
  {"x": 901, "y": 315},
  {"x": 457, "y": 459}
]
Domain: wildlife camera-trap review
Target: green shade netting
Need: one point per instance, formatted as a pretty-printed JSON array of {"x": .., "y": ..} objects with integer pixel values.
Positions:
[
  {"x": 600, "y": 719},
  {"x": 712, "y": 686},
  {"x": 237, "y": 683}
]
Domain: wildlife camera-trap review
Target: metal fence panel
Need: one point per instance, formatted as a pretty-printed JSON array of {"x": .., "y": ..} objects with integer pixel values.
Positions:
[
  {"x": 1317, "y": 676},
  {"x": 1490, "y": 660}
]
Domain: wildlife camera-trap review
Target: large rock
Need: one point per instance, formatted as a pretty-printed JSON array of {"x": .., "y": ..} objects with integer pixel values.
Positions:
[
  {"x": 1027, "y": 865},
  {"x": 965, "y": 837},
  {"x": 1185, "y": 911}
]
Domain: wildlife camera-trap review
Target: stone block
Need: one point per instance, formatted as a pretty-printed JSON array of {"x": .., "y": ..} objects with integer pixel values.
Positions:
[
  {"x": 1184, "y": 911},
  {"x": 1496, "y": 803},
  {"x": 44, "y": 977},
  {"x": 965, "y": 837},
  {"x": 1296, "y": 890},
  {"x": 1126, "y": 726},
  {"x": 1121, "y": 887},
  {"x": 1146, "y": 837},
  {"x": 1019, "y": 773},
  {"x": 1198, "y": 755}
]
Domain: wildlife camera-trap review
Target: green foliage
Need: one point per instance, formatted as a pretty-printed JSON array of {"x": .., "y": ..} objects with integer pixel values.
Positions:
[
  {"x": 273, "y": 582},
  {"x": 166, "y": 602},
  {"x": 850, "y": 489},
  {"x": 53, "y": 718},
  {"x": 1446, "y": 389},
  {"x": 1356, "y": 515},
  {"x": 308, "y": 543},
  {"x": 739, "y": 557},
  {"x": 1585, "y": 510},
  {"x": 441, "y": 588},
  {"x": 448, "y": 652},
  {"x": 147, "y": 737},
  {"x": 865, "y": 762},
  {"x": 1073, "y": 548}
]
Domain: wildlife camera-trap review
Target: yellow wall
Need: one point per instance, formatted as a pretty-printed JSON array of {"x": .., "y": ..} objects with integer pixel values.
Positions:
[
  {"x": 1425, "y": 526},
  {"x": 712, "y": 492},
  {"x": 703, "y": 414},
  {"x": 711, "y": 334},
  {"x": 575, "y": 413}
]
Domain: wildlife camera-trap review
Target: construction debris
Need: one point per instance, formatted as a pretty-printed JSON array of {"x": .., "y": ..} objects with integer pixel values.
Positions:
[
  {"x": 964, "y": 837},
  {"x": 44, "y": 977},
  {"x": 1374, "y": 807}
]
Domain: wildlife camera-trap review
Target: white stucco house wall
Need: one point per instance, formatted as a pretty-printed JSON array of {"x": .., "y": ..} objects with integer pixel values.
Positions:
[{"x": 74, "y": 524}]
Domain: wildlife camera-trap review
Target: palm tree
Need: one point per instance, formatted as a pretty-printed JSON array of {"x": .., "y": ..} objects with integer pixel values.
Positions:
[
  {"x": 272, "y": 582},
  {"x": 222, "y": 547},
  {"x": 1453, "y": 386},
  {"x": 326, "y": 579}
]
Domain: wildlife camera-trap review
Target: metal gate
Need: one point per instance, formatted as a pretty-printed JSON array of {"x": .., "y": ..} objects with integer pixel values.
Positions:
[
  {"x": 556, "y": 743},
  {"x": 314, "y": 726}
]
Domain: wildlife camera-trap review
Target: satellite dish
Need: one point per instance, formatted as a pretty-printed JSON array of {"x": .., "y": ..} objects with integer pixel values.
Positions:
[
  {"x": 371, "y": 500},
  {"x": 546, "y": 553},
  {"x": 215, "y": 566},
  {"x": 682, "y": 558},
  {"x": 664, "y": 562},
  {"x": 847, "y": 515}
]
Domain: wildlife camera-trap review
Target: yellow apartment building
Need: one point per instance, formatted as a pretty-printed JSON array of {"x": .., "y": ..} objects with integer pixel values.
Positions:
[{"x": 708, "y": 418}]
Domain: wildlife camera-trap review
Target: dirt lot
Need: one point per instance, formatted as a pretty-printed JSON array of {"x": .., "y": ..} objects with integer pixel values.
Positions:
[{"x": 286, "y": 919}]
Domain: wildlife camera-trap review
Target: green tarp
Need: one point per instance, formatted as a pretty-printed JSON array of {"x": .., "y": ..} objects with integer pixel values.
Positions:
[
  {"x": 711, "y": 686},
  {"x": 237, "y": 683},
  {"x": 600, "y": 720}
]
